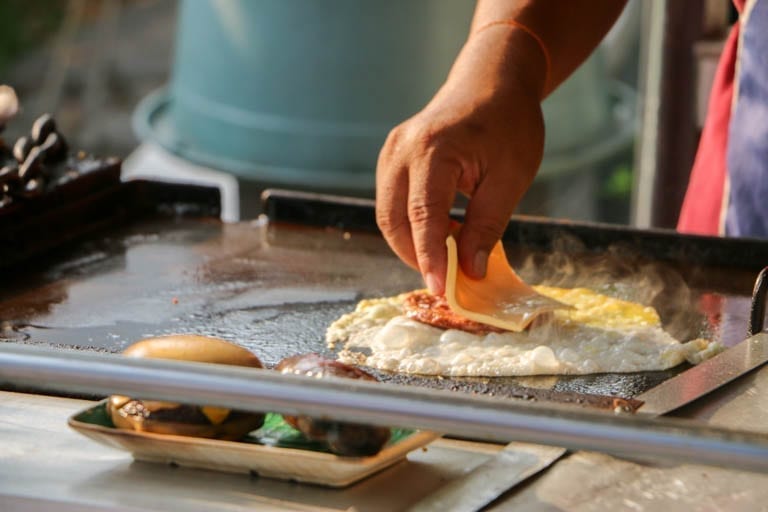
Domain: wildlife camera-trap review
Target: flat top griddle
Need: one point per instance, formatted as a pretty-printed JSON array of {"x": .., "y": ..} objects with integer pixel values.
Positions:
[{"x": 275, "y": 286}]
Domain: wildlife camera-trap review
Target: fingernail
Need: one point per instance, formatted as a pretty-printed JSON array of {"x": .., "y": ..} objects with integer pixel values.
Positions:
[
  {"x": 432, "y": 284},
  {"x": 479, "y": 263}
]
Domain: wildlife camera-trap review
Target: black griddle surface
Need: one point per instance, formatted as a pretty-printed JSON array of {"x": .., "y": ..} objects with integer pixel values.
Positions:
[{"x": 275, "y": 289}]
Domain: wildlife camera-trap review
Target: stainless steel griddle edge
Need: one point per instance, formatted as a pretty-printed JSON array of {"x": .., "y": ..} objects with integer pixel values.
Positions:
[
  {"x": 518, "y": 462},
  {"x": 389, "y": 404},
  {"x": 326, "y": 210}
]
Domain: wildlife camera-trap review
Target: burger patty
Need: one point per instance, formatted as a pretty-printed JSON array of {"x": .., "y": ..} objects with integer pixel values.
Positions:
[{"x": 434, "y": 310}]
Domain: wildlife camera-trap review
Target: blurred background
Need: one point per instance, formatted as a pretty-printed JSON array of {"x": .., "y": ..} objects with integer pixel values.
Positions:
[{"x": 247, "y": 94}]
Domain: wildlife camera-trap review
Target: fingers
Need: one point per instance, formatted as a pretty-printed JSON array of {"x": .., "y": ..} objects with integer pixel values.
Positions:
[
  {"x": 487, "y": 216},
  {"x": 414, "y": 195},
  {"x": 507, "y": 176},
  {"x": 392, "y": 210},
  {"x": 432, "y": 188}
]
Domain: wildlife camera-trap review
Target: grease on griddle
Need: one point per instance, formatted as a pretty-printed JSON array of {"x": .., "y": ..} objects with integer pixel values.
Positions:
[
  {"x": 510, "y": 387},
  {"x": 240, "y": 255}
]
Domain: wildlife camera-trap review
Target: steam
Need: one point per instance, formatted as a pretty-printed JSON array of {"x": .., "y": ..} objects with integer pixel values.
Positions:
[{"x": 620, "y": 273}]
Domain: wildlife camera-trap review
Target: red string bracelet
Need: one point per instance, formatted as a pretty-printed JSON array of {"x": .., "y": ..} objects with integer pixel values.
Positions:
[{"x": 530, "y": 32}]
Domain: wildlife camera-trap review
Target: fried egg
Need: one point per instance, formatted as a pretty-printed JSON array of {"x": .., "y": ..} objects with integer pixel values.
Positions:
[{"x": 597, "y": 334}]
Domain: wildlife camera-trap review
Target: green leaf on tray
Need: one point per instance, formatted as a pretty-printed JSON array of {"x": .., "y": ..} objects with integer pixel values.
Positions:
[
  {"x": 97, "y": 415},
  {"x": 276, "y": 432}
]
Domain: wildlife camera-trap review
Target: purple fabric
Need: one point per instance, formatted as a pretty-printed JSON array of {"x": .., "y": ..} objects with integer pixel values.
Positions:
[{"x": 747, "y": 158}]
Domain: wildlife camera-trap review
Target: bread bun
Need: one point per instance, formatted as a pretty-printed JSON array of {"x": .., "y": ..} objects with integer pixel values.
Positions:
[{"x": 181, "y": 419}]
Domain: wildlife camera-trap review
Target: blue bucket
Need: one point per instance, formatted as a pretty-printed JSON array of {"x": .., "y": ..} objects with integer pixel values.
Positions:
[{"x": 302, "y": 93}]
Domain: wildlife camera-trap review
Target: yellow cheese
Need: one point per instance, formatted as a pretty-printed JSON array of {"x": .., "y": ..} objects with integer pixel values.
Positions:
[
  {"x": 216, "y": 415},
  {"x": 500, "y": 299}
]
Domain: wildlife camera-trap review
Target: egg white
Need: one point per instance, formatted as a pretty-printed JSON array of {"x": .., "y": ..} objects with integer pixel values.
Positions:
[{"x": 599, "y": 334}]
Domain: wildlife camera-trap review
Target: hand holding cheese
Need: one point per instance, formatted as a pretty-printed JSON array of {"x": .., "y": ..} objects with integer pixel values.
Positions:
[
  {"x": 482, "y": 134},
  {"x": 500, "y": 299}
]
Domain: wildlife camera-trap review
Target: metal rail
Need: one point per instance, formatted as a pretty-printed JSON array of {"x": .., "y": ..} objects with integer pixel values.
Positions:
[
  {"x": 757, "y": 310},
  {"x": 376, "y": 403}
]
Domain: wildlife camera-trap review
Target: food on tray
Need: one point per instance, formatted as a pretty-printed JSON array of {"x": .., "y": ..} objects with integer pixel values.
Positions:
[
  {"x": 343, "y": 438},
  {"x": 576, "y": 331},
  {"x": 276, "y": 450},
  {"x": 182, "y": 419}
]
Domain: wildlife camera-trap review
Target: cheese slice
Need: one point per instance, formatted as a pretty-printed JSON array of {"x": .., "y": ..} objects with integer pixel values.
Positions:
[
  {"x": 216, "y": 415},
  {"x": 500, "y": 299}
]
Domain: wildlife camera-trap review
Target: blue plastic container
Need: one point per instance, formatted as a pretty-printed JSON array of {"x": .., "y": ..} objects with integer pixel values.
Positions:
[{"x": 302, "y": 93}]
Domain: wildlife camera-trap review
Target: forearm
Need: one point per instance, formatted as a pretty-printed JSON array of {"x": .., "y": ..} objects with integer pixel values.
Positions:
[
  {"x": 483, "y": 132},
  {"x": 569, "y": 29}
]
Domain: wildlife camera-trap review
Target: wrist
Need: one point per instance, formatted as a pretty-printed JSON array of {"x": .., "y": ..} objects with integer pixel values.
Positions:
[
  {"x": 525, "y": 57},
  {"x": 499, "y": 60},
  {"x": 513, "y": 25}
]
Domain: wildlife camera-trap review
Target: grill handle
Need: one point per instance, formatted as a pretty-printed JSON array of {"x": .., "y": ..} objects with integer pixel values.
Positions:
[{"x": 757, "y": 311}]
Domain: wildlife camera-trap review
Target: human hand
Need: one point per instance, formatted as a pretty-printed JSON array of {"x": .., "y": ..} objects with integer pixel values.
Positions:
[{"x": 482, "y": 135}]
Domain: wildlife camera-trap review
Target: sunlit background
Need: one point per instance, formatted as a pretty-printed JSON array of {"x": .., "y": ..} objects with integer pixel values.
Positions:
[{"x": 300, "y": 96}]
